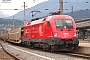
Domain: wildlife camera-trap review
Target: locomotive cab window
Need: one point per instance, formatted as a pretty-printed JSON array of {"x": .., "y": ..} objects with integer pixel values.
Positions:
[{"x": 64, "y": 23}]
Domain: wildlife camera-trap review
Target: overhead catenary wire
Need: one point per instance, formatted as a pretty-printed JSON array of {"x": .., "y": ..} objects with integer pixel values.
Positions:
[
  {"x": 38, "y": 8},
  {"x": 43, "y": 8}
]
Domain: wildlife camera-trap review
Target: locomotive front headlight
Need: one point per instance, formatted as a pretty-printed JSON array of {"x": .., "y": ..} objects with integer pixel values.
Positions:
[
  {"x": 75, "y": 34},
  {"x": 55, "y": 34}
]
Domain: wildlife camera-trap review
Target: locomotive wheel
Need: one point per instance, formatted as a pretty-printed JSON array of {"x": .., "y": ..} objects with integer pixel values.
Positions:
[
  {"x": 32, "y": 45},
  {"x": 51, "y": 48},
  {"x": 28, "y": 44},
  {"x": 46, "y": 47}
]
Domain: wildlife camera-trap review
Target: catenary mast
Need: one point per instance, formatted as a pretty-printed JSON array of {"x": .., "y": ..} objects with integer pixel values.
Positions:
[{"x": 61, "y": 7}]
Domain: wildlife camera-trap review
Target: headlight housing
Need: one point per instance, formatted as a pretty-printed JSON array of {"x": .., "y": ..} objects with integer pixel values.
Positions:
[
  {"x": 75, "y": 34},
  {"x": 55, "y": 34}
]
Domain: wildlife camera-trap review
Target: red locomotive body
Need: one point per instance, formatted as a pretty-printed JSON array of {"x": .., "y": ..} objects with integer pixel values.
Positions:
[{"x": 56, "y": 32}]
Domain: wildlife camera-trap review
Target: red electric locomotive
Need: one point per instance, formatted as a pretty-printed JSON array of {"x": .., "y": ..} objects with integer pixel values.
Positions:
[{"x": 56, "y": 32}]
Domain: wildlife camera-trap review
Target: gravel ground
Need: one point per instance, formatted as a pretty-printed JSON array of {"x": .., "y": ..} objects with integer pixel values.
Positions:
[
  {"x": 4, "y": 55},
  {"x": 32, "y": 54}
]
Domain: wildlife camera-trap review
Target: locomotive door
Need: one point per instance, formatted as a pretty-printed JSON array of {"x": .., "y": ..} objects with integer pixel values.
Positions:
[{"x": 47, "y": 29}]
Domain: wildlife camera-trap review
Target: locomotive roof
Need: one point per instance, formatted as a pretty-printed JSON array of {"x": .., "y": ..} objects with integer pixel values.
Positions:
[
  {"x": 48, "y": 18},
  {"x": 37, "y": 21}
]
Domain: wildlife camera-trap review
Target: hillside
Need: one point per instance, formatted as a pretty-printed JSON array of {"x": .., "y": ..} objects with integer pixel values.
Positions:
[
  {"x": 52, "y": 6},
  {"x": 80, "y": 14},
  {"x": 9, "y": 23}
]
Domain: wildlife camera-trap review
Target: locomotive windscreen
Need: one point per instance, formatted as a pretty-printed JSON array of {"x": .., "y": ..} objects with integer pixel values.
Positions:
[{"x": 64, "y": 24}]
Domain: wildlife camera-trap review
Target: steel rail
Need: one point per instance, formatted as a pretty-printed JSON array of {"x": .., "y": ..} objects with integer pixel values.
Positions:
[{"x": 74, "y": 54}]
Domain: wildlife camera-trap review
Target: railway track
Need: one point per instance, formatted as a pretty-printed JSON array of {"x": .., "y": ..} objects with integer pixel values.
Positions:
[
  {"x": 4, "y": 55},
  {"x": 73, "y": 54}
]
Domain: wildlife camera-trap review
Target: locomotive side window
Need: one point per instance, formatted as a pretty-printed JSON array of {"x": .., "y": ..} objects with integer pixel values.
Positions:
[
  {"x": 62, "y": 23},
  {"x": 48, "y": 24}
]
